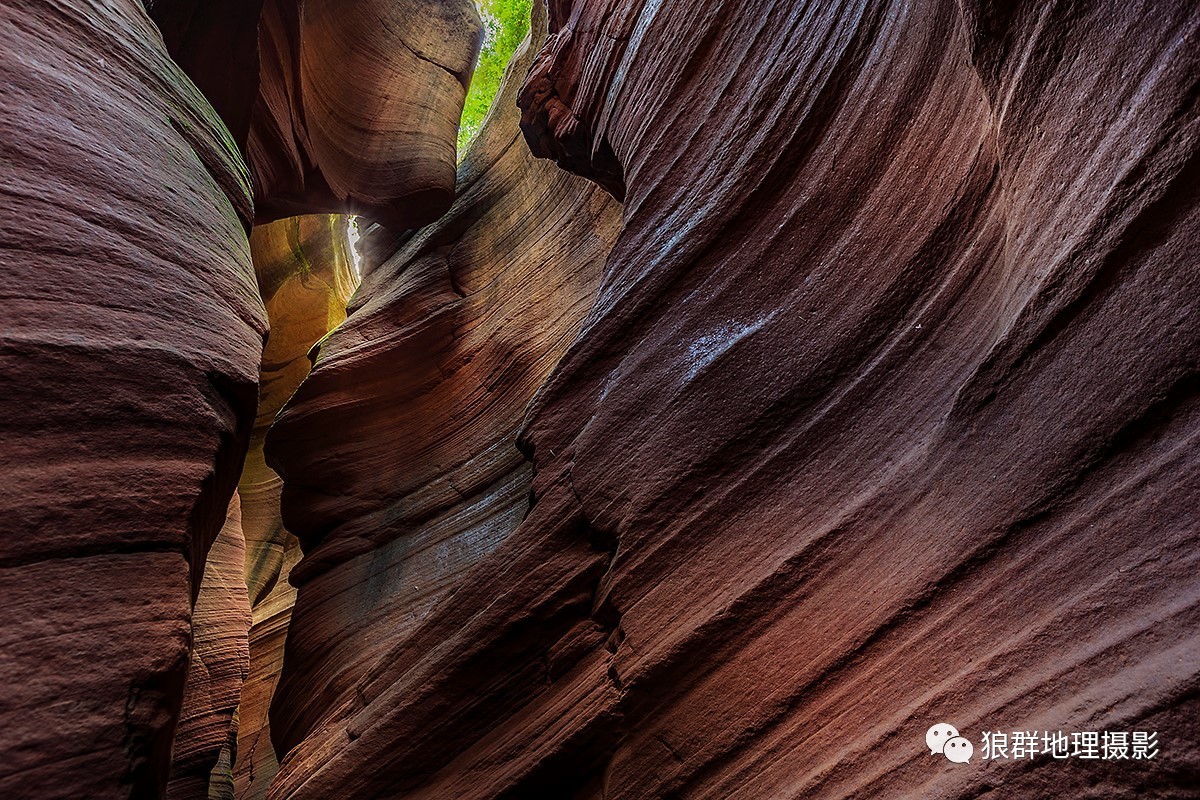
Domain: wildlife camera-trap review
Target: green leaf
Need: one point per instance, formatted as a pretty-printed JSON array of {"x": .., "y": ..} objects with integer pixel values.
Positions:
[{"x": 505, "y": 24}]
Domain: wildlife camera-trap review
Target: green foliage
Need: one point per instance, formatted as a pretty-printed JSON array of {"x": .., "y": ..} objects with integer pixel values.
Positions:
[{"x": 505, "y": 24}]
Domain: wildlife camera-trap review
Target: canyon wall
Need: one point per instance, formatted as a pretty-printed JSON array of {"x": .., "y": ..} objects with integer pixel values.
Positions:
[
  {"x": 130, "y": 347},
  {"x": 306, "y": 276},
  {"x": 765, "y": 385},
  {"x": 207, "y": 730},
  {"x": 399, "y": 451},
  {"x": 884, "y": 414},
  {"x": 337, "y": 106},
  {"x": 358, "y": 106}
]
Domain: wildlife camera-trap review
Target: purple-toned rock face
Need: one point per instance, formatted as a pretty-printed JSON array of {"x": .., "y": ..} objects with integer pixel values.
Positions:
[
  {"x": 129, "y": 350},
  {"x": 398, "y": 453},
  {"x": 880, "y": 417},
  {"x": 220, "y": 660},
  {"x": 845, "y": 394}
]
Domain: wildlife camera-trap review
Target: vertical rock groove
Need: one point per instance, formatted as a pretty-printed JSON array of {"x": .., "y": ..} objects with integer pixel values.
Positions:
[
  {"x": 398, "y": 452},
  {"x": 220, "y": 660},
  {"x": 306, "y": 277}
]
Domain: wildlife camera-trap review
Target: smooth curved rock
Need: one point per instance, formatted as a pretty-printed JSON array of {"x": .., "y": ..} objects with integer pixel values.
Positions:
[
  {"x": 358, "y": 107},
  {"x": 129, "y": 350},
  {"x": 885, "y": 414},
  {"x": 220, "y": 661},
  {"x": 306, "y": 276},
  {"x": 398, "y": 452},
  {"x": 338, "y": 107}
]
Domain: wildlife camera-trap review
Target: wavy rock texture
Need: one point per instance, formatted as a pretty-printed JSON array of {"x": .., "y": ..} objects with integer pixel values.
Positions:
[
  {"x": 400, "y": 465},
  {"x": 358, "y": 106},
  {"x": 336, "y": 105},
  {"x": 885, "y": 414},
  {"x": 220, "y": 659},
  {"x": 306, "y": 276},
  {"x": 129, "y": 353}
]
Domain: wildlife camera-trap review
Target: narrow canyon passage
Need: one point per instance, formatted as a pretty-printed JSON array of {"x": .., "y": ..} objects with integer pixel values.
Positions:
[{"x": 703, "y": 402}]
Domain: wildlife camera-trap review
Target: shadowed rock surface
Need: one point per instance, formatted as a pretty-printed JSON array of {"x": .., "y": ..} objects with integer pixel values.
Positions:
[
  {"x": 216, "y": 43},
  {"x": 129, "y": 352},
  {"x": 219, "y": 663},
  {"x": 406, "y": 428},
  {"x": 885, "y": 414}
]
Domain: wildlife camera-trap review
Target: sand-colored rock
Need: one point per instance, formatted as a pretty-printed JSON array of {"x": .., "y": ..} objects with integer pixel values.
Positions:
[
  {"x": 406, "y": 429},
  {"x": 219, "y": 662},
  {"x": 306, "y": 276},
  {"x": 129, "y": 350}
]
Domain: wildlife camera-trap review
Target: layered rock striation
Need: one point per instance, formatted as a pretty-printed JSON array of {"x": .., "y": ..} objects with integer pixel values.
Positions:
[
  {"x": 306, "y": 276},
  {"x": 129, "y": 353},
  {"x": 336, "y": 106},
  {"x": 849, "y": 385},
  {"x": 883, "y": 415},
  {"x": 358, "y": 106},
  {"x": 399, "y": 452},
  {"x": 206, "y": 736}
]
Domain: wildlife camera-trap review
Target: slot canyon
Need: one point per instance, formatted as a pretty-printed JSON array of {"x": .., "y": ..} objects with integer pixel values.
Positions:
[{"x": 745, "y": 389}]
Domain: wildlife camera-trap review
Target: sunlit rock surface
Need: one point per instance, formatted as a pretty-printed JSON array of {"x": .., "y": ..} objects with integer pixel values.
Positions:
[
  {"x": 306, "y": 275},
  {"x": 399, "y": 450},
  {"x": 885, "y": 414},
  {"x": 129, "y": 351},
  {"x": 219, "y": 663}
]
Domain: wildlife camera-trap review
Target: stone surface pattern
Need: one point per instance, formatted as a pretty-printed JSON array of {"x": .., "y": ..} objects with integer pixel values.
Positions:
[
  {"x": 885, "y": 414},
  {"x": 358, "y": 106},
  {"x": 129, "y": 350},
  {"x": 873, "y": 404},
  {"x": 306, "y": 276},
  {"x": 406, "y": 429},
  {"x": 219, "y": 663}
]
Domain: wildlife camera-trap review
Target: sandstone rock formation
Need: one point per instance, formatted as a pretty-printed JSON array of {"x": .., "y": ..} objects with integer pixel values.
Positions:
[
  {"x": 129, "y": 351},
  {"x": 207, "y": 731},
  {"x": 358, "y": 106},
  {"x": 883, "y": 415},
  {"x": 306, "y": 276},
  {"x": 216, "y": 43},
  {"x": 337, "y": 106},
  {"x": 873, "y": 404},
  {"x": 401, "y": 468}
]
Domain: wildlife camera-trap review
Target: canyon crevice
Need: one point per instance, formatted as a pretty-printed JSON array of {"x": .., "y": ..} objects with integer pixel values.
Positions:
[{"x": 763, "y": 386}]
